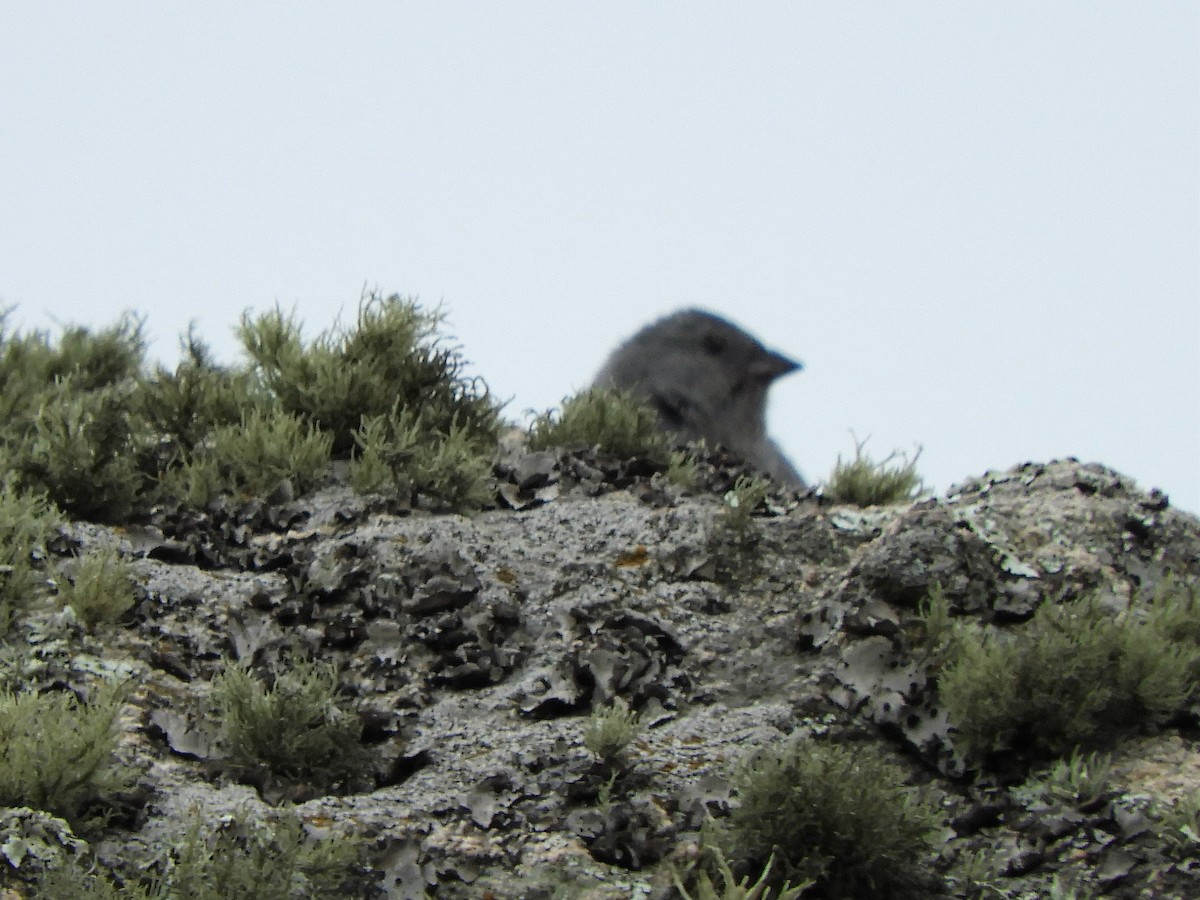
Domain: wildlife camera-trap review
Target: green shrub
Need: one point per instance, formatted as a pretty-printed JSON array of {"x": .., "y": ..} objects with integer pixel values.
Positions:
[
  {"x": 1075, "y": 675},
  {"x": 82, "y": 450},
  {"x": 393, "y": 357},
  {"x": 616, "y": 422},
  {"x": 245, "y": 860},
  {"x": 101, "y": 589},
  {"x": 237, "y": 860},
  {"x": 25, "y": 523},
  {"x": 185, "y": 406},
  {"x": 1076, "y": 780},
  {"x": 56, "y": 753},
  {"x": 610, "y": 729},
  {"x": 864, "y": 482},
  {"x": 31, "y": 363},
  {"x": 253, "y": 458},
  {"x": 403, "y": 453},
  {"x": 838, "y": 816},
  {"x": 295, "y": 728}
]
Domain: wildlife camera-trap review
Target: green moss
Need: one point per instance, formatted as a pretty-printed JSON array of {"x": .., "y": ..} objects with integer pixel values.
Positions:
[
  {"x": 864, "y": 482},
  {"x": 616, "y": 422},
  {"x": 56, "y": 752},
  {"x": 295, "y": 728},
  {"x": 838, "y": 816}
]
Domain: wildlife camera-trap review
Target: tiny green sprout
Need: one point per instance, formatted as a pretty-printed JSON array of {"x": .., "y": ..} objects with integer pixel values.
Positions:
[
  {"x": 748, "y": 492},
  {"x": 864, "y": 482},
  {"x": 610, "y": 729},
  {"x": 1179, "y": 824},
  {"x": 682, "y": 471},
  {"x": 733, "y": 889},
  {"x": 937, "y": 627},
  {"x": 1080, "y": 778}
]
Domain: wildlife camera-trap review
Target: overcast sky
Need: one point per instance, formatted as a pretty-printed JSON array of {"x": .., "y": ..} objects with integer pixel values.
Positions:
[{"x": 977, "y": 224}]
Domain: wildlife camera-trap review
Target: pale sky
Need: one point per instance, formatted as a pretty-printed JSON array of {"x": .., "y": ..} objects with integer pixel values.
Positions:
[{"x": 978, "y": 224}]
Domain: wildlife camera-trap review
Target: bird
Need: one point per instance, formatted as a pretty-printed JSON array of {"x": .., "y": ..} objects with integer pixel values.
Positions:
[{"x": 707, "y": 379}]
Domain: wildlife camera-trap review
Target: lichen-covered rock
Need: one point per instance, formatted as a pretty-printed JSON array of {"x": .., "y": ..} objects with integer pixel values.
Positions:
[{"x": 473, "y": 649}]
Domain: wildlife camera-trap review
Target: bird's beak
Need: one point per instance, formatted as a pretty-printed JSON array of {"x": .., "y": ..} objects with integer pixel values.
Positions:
[{"x": 773, "y": 366}]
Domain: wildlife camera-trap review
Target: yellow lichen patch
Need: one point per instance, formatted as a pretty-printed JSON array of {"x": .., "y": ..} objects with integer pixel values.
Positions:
[{"x": 638, "y": 556}]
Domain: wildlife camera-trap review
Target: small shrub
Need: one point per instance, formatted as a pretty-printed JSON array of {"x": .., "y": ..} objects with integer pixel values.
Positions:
[
  {"x": 236, "y": 860},
  {"x": 834, "y": 815},
  {"x": 101, "y": 589},
  {"x": 393, "y": 357},
  {"x": 253, "y": 458},
  {"x": 1179, "y": 824},
  {"x": 937, "y": 627},
  {"x": 31, "y": 363},
  {"x": 56, "y": 753},
  {"x": 402, "y": 453},
  {"x": 74, "y": 881},
  {"x": 1073, "y": 676},
  {"x": 83, "y": 451},
  {"x": 610, "y": 729},
  {"x": 245, "y": 860},
  {"x": 25, "y": 523},
  {"x": 864, "y": 482},
  {"x": 616, "y": 422},
  {"x": 185, "y": 405},
  {"x": 295, "y": 728}
]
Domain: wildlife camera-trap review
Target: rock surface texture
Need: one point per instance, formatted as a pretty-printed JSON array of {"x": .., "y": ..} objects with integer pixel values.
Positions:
[{"x": 475, "y": 650}]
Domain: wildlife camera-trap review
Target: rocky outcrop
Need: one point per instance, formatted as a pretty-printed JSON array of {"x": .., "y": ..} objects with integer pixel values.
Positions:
[{"x": 475, "y": 649}]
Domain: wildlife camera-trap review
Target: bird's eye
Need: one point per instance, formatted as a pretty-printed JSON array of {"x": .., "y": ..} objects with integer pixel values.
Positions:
[{"x": 713, "y": 344}]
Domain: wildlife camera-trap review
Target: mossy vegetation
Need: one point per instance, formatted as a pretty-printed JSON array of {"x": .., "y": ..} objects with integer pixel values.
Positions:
[
  {"x": 838, "y": 816},
  {"x": 615, "y": 422},
  {"x": 1077, "y": 675},
  {"x": 392, "y": 358},
  {"x": 610, "y": 729},
  {"x": 400, "y": 454},
  {"x": 85, "y": 423},
  {"x": 99, "y": 589},
  {"x": 239, "y": 859},
  {"x": 25, "y": 522},
  {"x": 739, "y": 504},
  {"x": 295, "y": 728},
  {"x": 56, "y": 751},
  {"x": 864, "y": 482}
]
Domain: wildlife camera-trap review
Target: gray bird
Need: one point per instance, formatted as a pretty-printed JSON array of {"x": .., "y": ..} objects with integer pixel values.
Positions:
[{"x": 708, "y": 380}]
